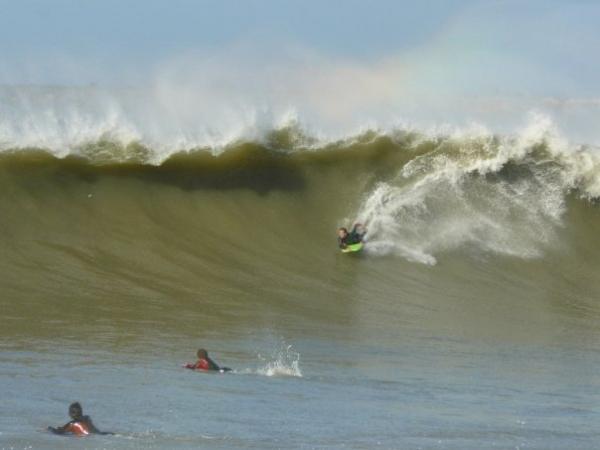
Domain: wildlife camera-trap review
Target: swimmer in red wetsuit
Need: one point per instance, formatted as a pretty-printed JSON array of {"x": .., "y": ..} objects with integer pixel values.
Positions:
[
  {"x": 205, "y": 363},
  {"x": 80, "y": 425}
]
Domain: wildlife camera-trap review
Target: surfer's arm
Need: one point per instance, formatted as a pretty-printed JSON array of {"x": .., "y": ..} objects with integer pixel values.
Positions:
[
  {"x": 59, "y": 430},
  {"x": 358, "y": 233},
  {"x": 359, "y": 229}
]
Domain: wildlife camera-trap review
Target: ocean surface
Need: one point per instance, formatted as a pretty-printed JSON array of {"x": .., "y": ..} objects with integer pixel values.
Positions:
[{"x": 470, "y": 321}]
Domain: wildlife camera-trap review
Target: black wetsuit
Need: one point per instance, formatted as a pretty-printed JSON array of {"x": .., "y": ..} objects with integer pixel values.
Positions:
[{"x": 354, "y": 237}]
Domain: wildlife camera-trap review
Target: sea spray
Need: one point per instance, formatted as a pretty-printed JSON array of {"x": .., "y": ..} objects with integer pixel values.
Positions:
[
  {"x": 503, "y": 195},
  {"x": 284, "y": 361}
]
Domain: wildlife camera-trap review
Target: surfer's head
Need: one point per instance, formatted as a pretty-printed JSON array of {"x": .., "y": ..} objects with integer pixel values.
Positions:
[
  {"x": 75, "y": 411},
  {"x": 342, "y": 232},
  {"x": 202, "y": 354}
]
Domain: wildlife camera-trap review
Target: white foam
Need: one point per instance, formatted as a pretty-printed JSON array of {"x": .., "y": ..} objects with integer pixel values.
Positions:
[
  {"x": 456, "y": 197},
  {"x": 284, "y": 362}
]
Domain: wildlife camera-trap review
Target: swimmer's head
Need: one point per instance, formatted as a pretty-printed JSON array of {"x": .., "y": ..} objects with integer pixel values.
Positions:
[
  {"x": 202, "y": 354},
  {"x": 75, "y": 411},
  {"x": 342, "y": 232}
]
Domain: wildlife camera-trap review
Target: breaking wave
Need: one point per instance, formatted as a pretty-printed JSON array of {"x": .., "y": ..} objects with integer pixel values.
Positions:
[{"x": 421, "y": 193}]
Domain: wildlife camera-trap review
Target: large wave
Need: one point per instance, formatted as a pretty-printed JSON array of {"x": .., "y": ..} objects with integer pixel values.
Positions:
[{"x": 421, "y": 192}]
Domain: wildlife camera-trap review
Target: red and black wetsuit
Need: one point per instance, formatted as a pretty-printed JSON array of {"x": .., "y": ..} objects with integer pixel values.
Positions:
[
  {"x": 203, "y": 364},
  {"x": 79, "y": 427}
]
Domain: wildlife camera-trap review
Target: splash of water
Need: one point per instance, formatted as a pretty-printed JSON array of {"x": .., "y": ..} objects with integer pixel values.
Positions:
[{"x": 283, "y": 362}]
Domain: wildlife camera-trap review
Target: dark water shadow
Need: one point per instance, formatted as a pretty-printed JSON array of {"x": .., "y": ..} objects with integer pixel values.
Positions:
[
  {"x": 247, "y": 166},
  {"x": 261, "y": 168}
]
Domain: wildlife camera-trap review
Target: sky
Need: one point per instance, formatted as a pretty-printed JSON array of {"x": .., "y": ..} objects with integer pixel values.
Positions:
[
  {"x": 156, "y": 28},
  {"x": 526, "y": 45},
  {"x": 148, "y": 31}
]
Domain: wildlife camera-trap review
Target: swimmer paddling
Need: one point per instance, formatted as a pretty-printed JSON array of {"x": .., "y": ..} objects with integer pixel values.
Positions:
[
  {"x": 80, "y": 425},
  {"x": 205, "y": 363}
]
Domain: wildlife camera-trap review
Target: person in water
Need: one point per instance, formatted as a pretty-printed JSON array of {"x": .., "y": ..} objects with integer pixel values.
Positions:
[
  {"x": 355, "y": 236},
  {"x": 205, "y": 363},
  {"x": 80, "y": 425}
]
